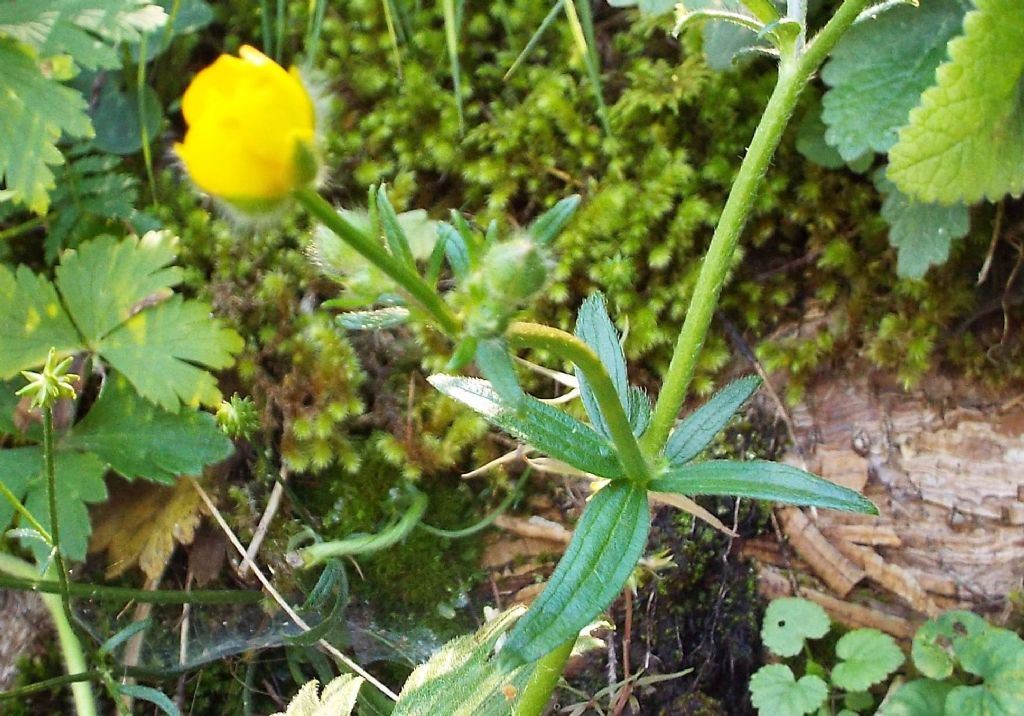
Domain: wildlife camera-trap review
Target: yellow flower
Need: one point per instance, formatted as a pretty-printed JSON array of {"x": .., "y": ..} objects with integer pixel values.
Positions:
[{"x": 250, "y": 133}]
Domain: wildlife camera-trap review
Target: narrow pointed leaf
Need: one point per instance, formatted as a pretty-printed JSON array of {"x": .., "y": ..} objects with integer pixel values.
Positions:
[
  {"x": 549, "y": 225},
  {"x": 124, "y": 635},
  {"x": 153, "y": 696},
  {"x": 608, "y": 541},
  {"x": 546, "y": 428},
  {"x": 699, "y": 428},
  {"x": 495, "y": 363},
  {"x": 397, "y": 241},
  {"x": 455, "y": 249},
  {"x": 595, "y": 328},
  {"x": 761, "y": 480},
  {"x": 374, "y": 320}
]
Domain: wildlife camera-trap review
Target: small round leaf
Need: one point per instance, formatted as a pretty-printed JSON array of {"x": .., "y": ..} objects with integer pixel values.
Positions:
[
  {"x": 997, "y": 656},
  {"x": 791, "y": 620},
  {"x": 932, "y": 650},
  {"x": 869, "y": 656},
  {"x": 923, "y": 697},
  {"x": 775, "y": 691}
]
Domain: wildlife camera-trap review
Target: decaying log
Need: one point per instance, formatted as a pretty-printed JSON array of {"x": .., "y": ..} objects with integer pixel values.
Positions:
[
  {"x": 835, "y": 570},
  {"x": 945, "y": 465}
]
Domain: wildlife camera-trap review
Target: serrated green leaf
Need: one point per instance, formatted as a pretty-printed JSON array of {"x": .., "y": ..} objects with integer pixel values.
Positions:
[
  {"x": 550, "y": 224},
  {"x": 921, "y": 697},
  {"x": 32, "y": 320},
  {"x": 462, "y": 679},
  {"x": 338, "y": 698},
  {"x": 701, "y": 426},
  {"x": 878, "y": 71},
  {"x": 34, "y": 113},
  {"x": 153, "y": 696},
  {"x": 997, "y": 656},
  {"x": 868, "y": 658},
  {"x": 92, "y": 190},
  {"x": 921, "y": 233},
  {"x": 774, "y": 691},
  {"x": 608, "y": 541},
  {"x": 595, "y": 328},
  {"x": 544, "y": 427},
  {"x": 965, "y": 140},
  {"x": 88, "y": 30},
  {"x": 791, "y": 620},
  {"x": 761, "y": 480},
  {"x": 933, "y": 645},
  {"x": 79, "y": 481},
  {"x": 106, "y": 280},
  {"x": 375, "y": 320},
  {"x": 159, "y": 350},
  {"x": 138, "y": 439}
]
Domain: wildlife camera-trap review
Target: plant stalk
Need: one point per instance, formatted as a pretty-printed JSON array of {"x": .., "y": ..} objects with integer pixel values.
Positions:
[
  {"x": 74, "y": 657},
  {"x": 415, "y": 286},
  {"x": 567, "y": 346},
  {"x": 51, "y": 497},
  {"x": 538, "y": 689},
  {"x": 794, "y": 73}
]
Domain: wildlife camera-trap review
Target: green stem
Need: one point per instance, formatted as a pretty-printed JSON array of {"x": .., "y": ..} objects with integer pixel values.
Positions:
[
  {"x": 74, "y": 657},
  {"x": 567, "y": 346},
  {"x": 415, "y": 286},
  {"x": 364, "y": 544},
  {"x": 22, "y": 228},
  {"x": 542, "y": 682},
  {"x": 97, "y": 592},
  {"x": 488, "y": 520},
  {"x": 51, "y": 496},
  {"x": 794, "y": 73}
]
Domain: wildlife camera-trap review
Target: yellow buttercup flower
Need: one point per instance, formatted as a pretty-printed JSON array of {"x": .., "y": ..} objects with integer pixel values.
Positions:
[{"x": 251, "y": 126}]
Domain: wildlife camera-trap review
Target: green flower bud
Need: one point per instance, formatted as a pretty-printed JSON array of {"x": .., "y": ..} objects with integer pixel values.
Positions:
[{"x": 514, "y": 271}]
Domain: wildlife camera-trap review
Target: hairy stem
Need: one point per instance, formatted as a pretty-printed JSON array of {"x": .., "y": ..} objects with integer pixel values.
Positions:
[
  {"x": 538, "y": 689},
  {"x": 794, "y": 73},
  {"x": 567, "y": 346},
  {"x": 407, "y": 279}
]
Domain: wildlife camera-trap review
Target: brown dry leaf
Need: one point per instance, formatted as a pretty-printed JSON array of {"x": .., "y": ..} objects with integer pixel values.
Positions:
[{"x": 142, "y": 524}]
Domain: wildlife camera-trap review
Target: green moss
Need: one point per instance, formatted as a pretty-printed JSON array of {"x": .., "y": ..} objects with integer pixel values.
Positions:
[{"x": 425, "y": 576}]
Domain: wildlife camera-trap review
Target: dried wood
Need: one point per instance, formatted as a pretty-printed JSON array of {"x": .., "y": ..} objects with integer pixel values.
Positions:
[
  {"x": 943, "y": 462},
  {"x": 827, "y": 563}
]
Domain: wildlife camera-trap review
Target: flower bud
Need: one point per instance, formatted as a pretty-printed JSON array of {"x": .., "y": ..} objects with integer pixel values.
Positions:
[
  {"x": 513, "y": 271},
  {"x": 251, "y": 129}
]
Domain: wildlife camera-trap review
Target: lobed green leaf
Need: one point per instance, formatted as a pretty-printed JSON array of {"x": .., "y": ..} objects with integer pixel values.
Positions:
[
  {"x": 789, "y": 621},
  {"x": 965, "y": 140},
  {"x": 868, "y": 658},
  {"x": 878, "y": 71},
  {"x": 138, "y": 439}
]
